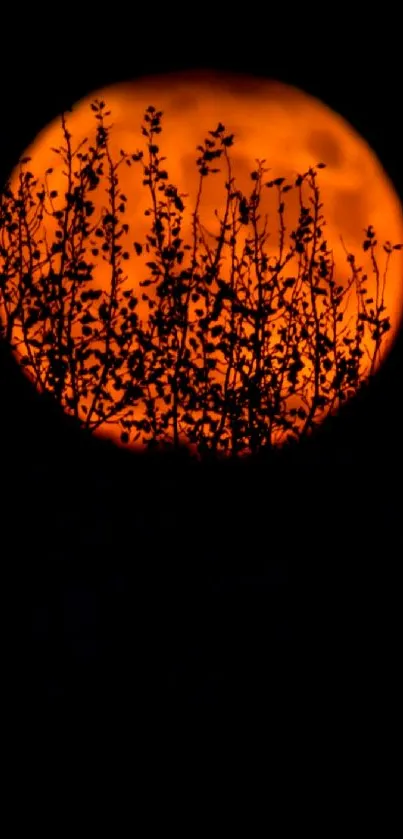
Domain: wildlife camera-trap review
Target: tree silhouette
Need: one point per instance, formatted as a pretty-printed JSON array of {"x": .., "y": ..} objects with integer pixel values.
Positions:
[{"x": 221, "y": 346}]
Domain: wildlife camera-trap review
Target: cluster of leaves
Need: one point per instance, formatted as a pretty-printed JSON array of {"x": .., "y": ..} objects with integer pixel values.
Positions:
[{"x": 240, "y": 349}]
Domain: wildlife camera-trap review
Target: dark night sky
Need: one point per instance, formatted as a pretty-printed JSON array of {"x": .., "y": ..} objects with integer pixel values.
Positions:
[{"x": 138, "y": 579}]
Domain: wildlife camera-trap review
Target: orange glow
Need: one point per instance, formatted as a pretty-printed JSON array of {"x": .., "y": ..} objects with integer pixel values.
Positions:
[{"x": 289, "y": 129}]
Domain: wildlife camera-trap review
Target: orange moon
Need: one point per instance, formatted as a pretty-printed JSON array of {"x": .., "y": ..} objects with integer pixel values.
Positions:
[{"x": 286, "y": 127}]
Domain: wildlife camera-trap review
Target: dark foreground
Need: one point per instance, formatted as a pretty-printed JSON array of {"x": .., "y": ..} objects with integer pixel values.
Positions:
[{"x": 270, "y": 588}]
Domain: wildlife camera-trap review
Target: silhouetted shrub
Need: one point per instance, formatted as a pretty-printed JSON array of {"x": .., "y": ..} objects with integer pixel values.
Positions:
[{"x": 238, "y": 350}]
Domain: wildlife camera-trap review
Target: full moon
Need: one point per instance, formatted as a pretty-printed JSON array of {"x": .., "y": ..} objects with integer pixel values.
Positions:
[{"x": 271, "y": 121}]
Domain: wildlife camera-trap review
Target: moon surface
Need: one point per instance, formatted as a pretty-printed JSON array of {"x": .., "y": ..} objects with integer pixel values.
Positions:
[{"x": 286, "y": 127}]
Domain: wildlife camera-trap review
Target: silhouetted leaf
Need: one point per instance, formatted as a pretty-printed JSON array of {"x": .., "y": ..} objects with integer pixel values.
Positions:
[
  {"x": 179, "y": 203},
  {"x": 216, "y": 330}
]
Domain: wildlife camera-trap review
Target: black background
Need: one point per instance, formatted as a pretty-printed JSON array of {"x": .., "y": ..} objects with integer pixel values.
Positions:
[{"x": 271, "y": 587}]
